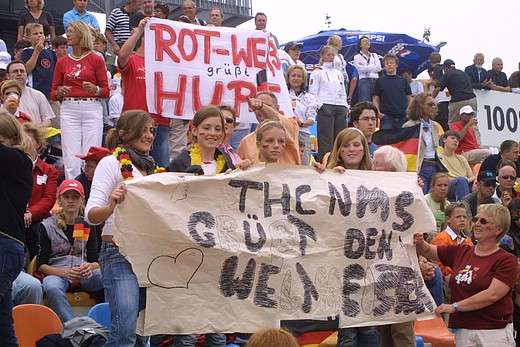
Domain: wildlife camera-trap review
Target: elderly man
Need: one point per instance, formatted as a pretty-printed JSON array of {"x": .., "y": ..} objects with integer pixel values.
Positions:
[
  {"x": 496, "y": 79},
  {"x": 476, "y": 72},
  {"x": 32, "y": 101},
  {"x": 265, "y": 106},
  {"x": 189, "y": 9}
]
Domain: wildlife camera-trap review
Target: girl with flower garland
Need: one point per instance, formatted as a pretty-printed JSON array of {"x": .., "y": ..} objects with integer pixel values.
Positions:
[
  {"x": 204, "y": 158},
  {"x": 270, "y": 140},
  {"x": 131, "y": 142}
]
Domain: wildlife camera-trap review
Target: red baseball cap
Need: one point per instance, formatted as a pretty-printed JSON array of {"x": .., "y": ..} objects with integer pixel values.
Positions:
[
  {"x": 95, "y": 153},
  {"x": 74, "y": 185}
]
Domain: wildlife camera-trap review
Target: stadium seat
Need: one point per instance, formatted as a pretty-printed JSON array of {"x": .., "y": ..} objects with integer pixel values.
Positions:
[
  {"x": 434, "y": 331},
  {"x": 32, "y": 322},
  {"x": 101, "y": 314}
]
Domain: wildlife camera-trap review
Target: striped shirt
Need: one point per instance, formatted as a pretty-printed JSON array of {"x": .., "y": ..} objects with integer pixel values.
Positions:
[{"x": 119, "y": 24}]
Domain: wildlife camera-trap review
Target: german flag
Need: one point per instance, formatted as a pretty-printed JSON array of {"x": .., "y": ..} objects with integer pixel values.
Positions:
[
  {"x": 79, "y": 229},
  {"x": 405, "y": 139},
  {"x": 86, "y": 231}
]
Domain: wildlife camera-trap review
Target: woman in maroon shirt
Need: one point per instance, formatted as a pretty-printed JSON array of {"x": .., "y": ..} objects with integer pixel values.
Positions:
[
  {"x": 481, "y": 282},
  {"x": 80, "y": 80}
]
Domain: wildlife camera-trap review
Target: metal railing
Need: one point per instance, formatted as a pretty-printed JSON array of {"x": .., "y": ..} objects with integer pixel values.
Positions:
[{"x": 241, "y": 7}]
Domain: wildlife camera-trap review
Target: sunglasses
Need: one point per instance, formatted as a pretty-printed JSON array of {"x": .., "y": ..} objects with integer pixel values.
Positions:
[
  {"x": 430, "y": 104},
  {"x": 229, "y": 120},
  {"x": 515, "y": 219},
  {"x": 508, "y": 177},
  {"x": 490, "y": 184},
  {"x": 482, "y": 221}
]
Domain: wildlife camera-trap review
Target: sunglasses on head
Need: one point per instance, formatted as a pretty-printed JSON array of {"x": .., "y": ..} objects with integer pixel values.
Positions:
[
  {"x": 482, "y": 221},
  {"x": 229, "y": 120},
  {"x": 510, "y": 177}
]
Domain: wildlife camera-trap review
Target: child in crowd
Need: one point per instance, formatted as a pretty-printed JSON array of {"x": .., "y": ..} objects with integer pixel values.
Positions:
[
  {"x": 11, "y": 94},
  {"x": 437, "y": 200},
  {"x": 272, "y": 337},
  {"x": 454, "y": 233},
  {"x": 270, "y": 140},
  {"x": 40, "y": 62}
]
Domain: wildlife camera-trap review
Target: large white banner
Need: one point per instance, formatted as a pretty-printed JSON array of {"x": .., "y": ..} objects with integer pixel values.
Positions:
[
  {"x": 498, "y": 117},
  {"x": 240, "y": 251},
  {"x": 189, "y": 66}
]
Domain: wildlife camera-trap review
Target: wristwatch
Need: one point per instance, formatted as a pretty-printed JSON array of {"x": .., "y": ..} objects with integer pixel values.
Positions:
[
  {"x": 455, "y": 307},
  {"x": 98, "y": 91}
]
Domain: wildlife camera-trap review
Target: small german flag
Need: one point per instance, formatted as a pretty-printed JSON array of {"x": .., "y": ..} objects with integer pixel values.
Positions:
[
  {"x": 405, "y": 139},
  {"x": 79, "y": 228},
  {"x": 86, "y": 231}
]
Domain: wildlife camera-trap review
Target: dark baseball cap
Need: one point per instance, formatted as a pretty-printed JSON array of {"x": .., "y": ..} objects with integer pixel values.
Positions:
[
  {"x": 448, "y": 63},
  {"x": 293, "y": 45},
  {"x": 486, "y": 176}
]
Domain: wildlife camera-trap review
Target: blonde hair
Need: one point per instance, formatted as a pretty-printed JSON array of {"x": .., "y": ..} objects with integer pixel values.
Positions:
[
  {"x": 61, "y": 222},
  {"x": 304, "y": 74},
  {"x": 41, "y": 3},
  {"x": 10, "y": 84},
  {"x": 29, "y": 27},
  {"x": 37, "y": 133},
  {"x": 334, "y": 41},
  {"x": 346, "y": 135},
  {"x": 272, "y": 337},
  {"x": 11, "y": 129},
  {"x": 324, "y": 50},
  {"x": 84, "y": 32},
  {"x": 501, "y": 215}
]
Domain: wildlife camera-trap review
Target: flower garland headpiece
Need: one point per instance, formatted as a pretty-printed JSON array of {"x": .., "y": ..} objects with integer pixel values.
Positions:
[{"x": 125, "y": 164}]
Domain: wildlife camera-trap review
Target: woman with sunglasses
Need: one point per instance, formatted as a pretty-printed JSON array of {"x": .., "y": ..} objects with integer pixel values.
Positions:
[
  {"x": 230, "y": 123},
  {"x": 421, "y": 111},
  {"x": 481, "y": 283}
]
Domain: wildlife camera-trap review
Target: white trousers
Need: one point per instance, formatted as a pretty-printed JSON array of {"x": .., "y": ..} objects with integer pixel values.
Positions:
[{"x": 81, "y": 127}]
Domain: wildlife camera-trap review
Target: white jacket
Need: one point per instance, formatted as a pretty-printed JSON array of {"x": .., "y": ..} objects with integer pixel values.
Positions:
[{"x": 327, "y": 85}]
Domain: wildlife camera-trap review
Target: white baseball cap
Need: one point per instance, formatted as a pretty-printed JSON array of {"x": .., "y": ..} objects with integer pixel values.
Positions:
[
  {"x": 5, "y": 59},
  {"x": 466, "y": 110}
]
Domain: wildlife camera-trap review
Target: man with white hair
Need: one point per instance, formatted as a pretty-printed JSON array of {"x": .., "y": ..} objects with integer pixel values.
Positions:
[
  {"x": 496, "y": 79},
  {"x": 189, "y": 9}
]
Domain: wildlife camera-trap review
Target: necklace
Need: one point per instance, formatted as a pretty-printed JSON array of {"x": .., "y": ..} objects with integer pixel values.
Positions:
[
  {"x": 125, "y": 164},
  {"x": 77, "y": 58},
  {"x": 196, "y": 158}
]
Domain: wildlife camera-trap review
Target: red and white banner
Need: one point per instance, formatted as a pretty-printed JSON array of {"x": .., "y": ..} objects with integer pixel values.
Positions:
[{"x": 189, "y": 66}]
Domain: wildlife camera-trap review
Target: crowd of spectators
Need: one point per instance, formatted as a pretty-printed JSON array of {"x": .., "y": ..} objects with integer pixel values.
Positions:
[{"x": 71, "y": 91}]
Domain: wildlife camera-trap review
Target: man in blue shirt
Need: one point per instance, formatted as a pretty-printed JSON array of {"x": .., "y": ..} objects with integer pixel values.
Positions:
[{"x": 79, "y": 13}]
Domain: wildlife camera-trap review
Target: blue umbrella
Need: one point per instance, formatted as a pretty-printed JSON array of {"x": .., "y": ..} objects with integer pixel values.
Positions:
[{"x": 412, "y": 53}]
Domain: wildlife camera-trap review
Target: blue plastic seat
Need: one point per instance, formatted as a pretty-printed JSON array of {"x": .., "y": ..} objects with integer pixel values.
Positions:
[{"x": 101, "y": 314}]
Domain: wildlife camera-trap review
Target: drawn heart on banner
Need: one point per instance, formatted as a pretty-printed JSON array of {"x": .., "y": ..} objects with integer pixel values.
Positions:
[{"x": 170, "y": 272}]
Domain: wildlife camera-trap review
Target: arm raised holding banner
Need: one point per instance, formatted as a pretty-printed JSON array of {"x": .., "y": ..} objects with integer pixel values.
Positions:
[{"x": 130, "y": 44}]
